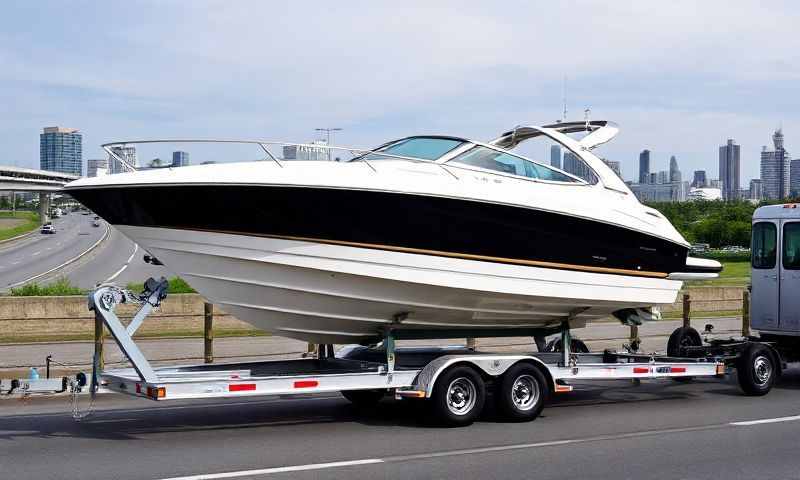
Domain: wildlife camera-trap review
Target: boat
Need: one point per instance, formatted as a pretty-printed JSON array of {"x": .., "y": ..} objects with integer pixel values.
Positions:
[{"x": 427, "y": 232}]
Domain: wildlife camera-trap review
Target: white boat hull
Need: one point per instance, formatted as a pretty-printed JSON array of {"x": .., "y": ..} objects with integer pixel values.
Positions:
[{"x": 327, "y": 293}]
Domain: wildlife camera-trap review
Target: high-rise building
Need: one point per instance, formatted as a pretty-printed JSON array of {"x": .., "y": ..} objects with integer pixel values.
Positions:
[
  {"x": 674, "y": 172},
  {"x": 306, "y": 152},
  {"x": 96, "y": 166},
  {"x": 661, "y": 192},
  {"x": 555, "y": 156},
  {"x": 126, "y": 153},
  {"x": 794, "y": 177},
  {"x": 180, "y": 159},
  {"x": 574, "y": 165},
  {"x": 644, "y": 166},
  {"x": 756, "y": 190},
  {"x": 663, "y": 177},
  {"x": 615, "y": 166},
  {"x": 699, "y": 180},
  {"x": 729, "y": 170},
  {"x": 60, "y": 150},
  {"x": 652, "y": 178},
  {"x": 775, "y": 169}
]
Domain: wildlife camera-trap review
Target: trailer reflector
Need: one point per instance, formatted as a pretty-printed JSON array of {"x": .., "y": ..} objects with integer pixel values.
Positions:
[
  {"x": 720, "y": 369},
  {"x": 306, "y": 384},
  {"x": 156, "y": 392},
  {"x": 678, "y": 369},
  {"x": 410, "y": 393},
  {"x": 241, "y": 387},
  {"x": 641, "y": 370}
]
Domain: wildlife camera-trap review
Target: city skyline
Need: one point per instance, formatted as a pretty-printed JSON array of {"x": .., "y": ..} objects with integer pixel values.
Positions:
[{"x": 684, "y": 104}]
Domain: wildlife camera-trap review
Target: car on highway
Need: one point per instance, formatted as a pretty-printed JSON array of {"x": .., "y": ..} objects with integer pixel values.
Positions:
[
  {"x": 48, "y": 228},
  {"x": 96, "y": 223}
]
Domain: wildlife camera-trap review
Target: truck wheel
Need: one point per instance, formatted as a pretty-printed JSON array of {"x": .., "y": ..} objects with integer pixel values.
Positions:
[
  {"x": 682, "y": 337},
  {"x": 756, "y": 370},
  {"x": 364, "y": 398},
  {"x": 522, "y": 392},
  {"x": 458, "y": 396}
]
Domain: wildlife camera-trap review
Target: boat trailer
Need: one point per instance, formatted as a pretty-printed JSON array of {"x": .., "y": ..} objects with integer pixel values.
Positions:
[{"x": 453, "y": 381}]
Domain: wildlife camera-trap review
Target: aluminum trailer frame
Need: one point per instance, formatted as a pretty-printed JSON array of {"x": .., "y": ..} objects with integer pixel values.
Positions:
[{"x": 363, "y": 369}]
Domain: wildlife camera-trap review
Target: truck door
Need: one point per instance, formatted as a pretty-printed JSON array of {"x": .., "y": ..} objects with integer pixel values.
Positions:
[
  {"x": 790, "y": 277},
  {"x": 764, "y": 303}
]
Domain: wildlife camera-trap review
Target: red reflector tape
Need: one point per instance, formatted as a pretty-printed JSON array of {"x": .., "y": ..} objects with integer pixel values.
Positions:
[
  {"x": 678, "y": 370},
  {"x": 641, "y": 370},
  {"x": 138, "y": 388},
  {"x": 241, "y": 387},
  {"x": 306, "y": 383}
]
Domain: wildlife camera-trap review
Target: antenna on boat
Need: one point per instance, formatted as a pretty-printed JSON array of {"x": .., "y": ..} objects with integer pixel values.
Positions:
[
  {"x": 586, "y": 113},
  {"x": 564, "y": 99}
]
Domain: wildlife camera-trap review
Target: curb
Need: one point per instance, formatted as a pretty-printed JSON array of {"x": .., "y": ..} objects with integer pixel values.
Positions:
[
  {"x": 18, "y": 237},
  {"x": 68, "y": 262}
]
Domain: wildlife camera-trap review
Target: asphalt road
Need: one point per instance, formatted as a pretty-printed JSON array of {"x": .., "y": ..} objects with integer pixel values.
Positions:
[
  {"x": 38, "y": 253},
  {"x": 611, "y": 430},
  {"x": 117, "y": 260}
]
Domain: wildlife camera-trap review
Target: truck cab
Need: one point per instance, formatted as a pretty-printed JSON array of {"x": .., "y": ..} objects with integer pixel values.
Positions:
[{"x": 775, "y": 261}]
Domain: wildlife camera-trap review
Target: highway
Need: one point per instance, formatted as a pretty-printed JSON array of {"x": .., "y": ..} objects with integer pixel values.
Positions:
[
  {"x": 612, "y": 430},
  {"x": 38, "y": 253}
]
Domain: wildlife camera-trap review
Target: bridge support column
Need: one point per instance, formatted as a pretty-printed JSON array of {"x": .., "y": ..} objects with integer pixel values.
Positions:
[{"x": 44, "y": 207}]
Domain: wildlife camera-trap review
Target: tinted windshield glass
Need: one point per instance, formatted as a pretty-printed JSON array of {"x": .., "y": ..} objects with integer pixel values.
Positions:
[
  {"x": 503, "y": 162},
  {"x": 764, "y": 246},
  {"x": 425, "y": 148}
]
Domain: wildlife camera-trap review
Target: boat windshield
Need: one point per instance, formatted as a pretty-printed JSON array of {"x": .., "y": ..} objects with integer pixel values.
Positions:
[
  {"x": 425, "y": 148},
  {"x": 491, "y": 159}
]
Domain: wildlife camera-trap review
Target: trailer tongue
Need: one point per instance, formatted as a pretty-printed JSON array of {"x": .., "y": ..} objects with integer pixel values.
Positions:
[{"x": 454, "y": 381}]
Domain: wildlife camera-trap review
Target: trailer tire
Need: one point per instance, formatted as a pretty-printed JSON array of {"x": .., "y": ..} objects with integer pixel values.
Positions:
[
  {"x": 364, "y": 398},
  {"x": 576, "y": 345},
  {"x": 521, "y": 393},
  {"x": 756, "y": 370},
  {"x": 682, "y": 337},
  {"x": 458, "y": 397}
]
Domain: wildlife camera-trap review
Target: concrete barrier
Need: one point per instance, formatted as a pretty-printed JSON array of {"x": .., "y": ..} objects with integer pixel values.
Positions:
[{"x": 28, "y": 319}]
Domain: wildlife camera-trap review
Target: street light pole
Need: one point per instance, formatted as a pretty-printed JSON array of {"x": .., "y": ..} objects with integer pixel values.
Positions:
[{"x": 328, "y": 131}]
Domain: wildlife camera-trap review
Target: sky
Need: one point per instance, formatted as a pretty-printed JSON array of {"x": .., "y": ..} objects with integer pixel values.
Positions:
[{"x": 679, "y": 77}]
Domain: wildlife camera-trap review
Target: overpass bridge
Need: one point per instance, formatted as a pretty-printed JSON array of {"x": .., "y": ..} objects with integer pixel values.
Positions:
[{"x": 43, "y": 182}]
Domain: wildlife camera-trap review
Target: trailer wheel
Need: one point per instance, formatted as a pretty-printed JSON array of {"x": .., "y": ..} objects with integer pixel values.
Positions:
[
  {"x": 364, "y": 398},
  {"x": 458, "y": 396},
  {"x": 575, "y": 346},
  {"x": 522, "y": 392},
  {"x": 682, "y": 337},
  {"x": 756, "y": 370}
]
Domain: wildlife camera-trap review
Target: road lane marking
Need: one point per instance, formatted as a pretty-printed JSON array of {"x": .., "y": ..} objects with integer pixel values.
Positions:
[
  {"x": 122, "y": 269},
  {"x": 478, "y": 450},
  {"x": 36, "y": 253},
  {"x": 40, "y": 275},
  {"x": 268, "y": 471},
  {"x": 766, "y": 420}
]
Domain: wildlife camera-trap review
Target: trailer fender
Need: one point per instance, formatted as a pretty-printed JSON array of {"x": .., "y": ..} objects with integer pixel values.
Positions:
[{"x": 490, "y": 365}]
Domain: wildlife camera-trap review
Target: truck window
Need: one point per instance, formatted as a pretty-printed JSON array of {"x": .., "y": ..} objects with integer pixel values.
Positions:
[
  {"x": 791, "y": 246},
  {"x": 765, "y": 239}
]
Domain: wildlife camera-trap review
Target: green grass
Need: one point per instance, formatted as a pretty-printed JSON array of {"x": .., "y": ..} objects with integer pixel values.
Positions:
[
  {"x": 57, "y": 288},
  {"x": 176, "y": 285},
  {"x": 733, "y": 274},
  {"x": 32, "y": 223}
]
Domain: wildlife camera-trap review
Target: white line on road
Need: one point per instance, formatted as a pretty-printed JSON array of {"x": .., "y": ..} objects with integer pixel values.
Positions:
[
  {"x": 267, "y": 471},
  {"x": 474, "y": 451},
  {"x": 118, "y": 272},
  {"x": 36, "y": 253},
  {"x": 766, "y": 420}
]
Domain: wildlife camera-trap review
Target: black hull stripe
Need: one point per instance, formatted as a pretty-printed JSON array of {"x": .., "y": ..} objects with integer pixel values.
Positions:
[
  {"x": 464, "y": 256},
  {"x": 393, "y": 221}
]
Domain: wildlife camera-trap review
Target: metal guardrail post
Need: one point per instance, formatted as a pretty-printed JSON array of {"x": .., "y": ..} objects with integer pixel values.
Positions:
[
  {"x": 687, "y": 306},
  {"x": 208, "y": 332},
  {"x": 746, "y": 314},
  {"x": 99, "y": 333}
]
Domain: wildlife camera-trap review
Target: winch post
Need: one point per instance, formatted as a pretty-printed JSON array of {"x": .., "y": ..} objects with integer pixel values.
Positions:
[{"x": 566, "y": 343}]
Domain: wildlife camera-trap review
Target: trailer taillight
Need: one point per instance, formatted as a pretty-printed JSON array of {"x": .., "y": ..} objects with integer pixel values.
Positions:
[{"x": 156, "y": 392}]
